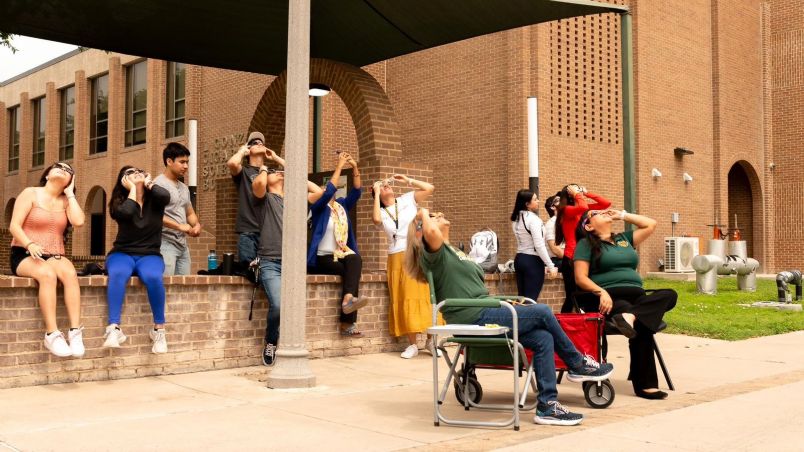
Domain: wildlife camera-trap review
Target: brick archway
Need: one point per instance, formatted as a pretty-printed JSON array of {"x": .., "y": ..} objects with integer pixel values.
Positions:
[
  {"x": 746, "y": 201},
  {"x": 372, "y": 113},
  {"x": 379, "y": 141}
]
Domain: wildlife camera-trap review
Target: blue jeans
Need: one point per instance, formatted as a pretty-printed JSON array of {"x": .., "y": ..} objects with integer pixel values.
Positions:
[
  {"x": 177, "y": 259},
  {"x": 271, "y": 279},
  {"x": 540, "y": 332},
  {"x": 248, "y": 243},
  {"x": 149, "y": 269}
]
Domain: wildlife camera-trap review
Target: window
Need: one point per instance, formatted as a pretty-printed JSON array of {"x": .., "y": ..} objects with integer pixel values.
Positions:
[
  {"x": 99, "y": 115},
  {"x": 174, "y": 117},
  {"x": 40, "y": 120},
  {"x": 67, "y": 123},
  {"x": 13, "y": 139},
  {"x": 136, "y": 102}
]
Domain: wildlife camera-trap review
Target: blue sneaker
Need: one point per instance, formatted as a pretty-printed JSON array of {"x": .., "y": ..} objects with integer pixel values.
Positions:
[
  {"x": 555, "y": 413},
  {"x": 590, "y": 370}
]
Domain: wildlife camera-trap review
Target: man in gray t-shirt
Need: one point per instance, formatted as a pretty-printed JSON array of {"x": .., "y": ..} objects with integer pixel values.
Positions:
[
  {"x": 180, "y": 219},
  {"x": 269, "y": 188},
  {"x": 244, "y": 166}
]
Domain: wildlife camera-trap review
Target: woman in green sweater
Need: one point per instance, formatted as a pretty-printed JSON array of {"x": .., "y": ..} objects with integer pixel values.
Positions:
[{"x": 606, "y": 266}]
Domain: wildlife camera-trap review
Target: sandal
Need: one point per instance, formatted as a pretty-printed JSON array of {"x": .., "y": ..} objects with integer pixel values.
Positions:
[
  {"x": 352, "y": 332},
  {"x": 353, "y": 305}
]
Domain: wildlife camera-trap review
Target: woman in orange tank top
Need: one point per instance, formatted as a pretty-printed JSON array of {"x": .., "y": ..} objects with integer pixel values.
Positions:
[{"x": 41, "y": 215}]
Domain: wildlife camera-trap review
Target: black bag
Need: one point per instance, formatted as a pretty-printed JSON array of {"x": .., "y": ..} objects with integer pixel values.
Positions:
[{"x": 92, "y": 268}]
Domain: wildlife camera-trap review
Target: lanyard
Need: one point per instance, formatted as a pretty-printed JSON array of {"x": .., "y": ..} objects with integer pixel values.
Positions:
[{"x": 394, "y": 217}]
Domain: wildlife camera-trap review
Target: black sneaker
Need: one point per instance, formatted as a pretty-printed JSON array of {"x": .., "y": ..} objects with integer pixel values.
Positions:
[
  {"x": 591, "y": 370},
  {"x": 268, "y": 354},
  {"x": 555, "y": 413}
]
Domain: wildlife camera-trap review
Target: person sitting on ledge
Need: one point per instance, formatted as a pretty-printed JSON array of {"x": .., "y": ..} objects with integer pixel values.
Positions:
[
  {"x": 455, "y": 275},
  {"x": 41, "y": 216},
  {"x": 333, "y": 248},
  {"x": 138, "y": 207}
]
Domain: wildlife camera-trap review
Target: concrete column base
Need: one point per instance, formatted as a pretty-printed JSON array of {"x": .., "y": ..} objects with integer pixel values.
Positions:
[{"x": 292, "y": 370}]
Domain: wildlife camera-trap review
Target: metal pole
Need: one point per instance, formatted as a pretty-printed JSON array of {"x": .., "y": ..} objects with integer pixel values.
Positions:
[
  {"x": 533, "y": 145},
  {"x": 292, "y": 369},
  {"x": 629, "y": 134},
  {"x": 317, "y": 105},
  {"x": 192, "y": 172}
]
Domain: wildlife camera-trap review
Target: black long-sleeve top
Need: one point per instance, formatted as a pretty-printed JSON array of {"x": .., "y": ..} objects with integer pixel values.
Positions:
[{"x": 139, "y": 231}]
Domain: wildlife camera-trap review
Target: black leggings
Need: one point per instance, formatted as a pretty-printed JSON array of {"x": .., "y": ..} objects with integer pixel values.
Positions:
[
  {"x": 568, "y": 275},
  {"x": 649, "y": 310},
  {"x": 349, "y": 268},
  {"x": 529, "y": 275}
]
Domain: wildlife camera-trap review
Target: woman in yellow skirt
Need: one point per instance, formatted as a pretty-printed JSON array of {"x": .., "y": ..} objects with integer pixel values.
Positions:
[{"x": 410, "y": 311}]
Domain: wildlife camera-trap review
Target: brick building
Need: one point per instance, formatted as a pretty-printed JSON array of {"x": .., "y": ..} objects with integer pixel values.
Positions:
[{"x": 722, "y": 79}]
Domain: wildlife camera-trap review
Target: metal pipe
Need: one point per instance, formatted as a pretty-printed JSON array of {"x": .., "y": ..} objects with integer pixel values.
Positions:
[
  {"x": 318, "y": 104},
  {"x": 629, "y": 134},
  {"x": 192, "y": 171}
]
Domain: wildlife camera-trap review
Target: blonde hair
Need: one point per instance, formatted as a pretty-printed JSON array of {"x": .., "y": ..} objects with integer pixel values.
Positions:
[{"x": 413, "y": 253}]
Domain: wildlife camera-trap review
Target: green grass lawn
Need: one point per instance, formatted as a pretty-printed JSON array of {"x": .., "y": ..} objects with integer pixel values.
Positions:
[{"x": 720, "y": 317}]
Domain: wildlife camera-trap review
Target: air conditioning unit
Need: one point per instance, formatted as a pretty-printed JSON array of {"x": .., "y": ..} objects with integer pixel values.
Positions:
[{"x": 678, "y": 254}]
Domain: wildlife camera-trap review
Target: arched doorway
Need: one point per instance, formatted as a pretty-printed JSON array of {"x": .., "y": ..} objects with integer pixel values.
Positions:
[
  {"x": 96, "y": 209},
  {"x": 745, "y": 206}
]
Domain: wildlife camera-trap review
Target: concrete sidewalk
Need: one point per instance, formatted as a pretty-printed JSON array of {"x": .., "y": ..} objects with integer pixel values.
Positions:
[{"x": 730, "y": 395}]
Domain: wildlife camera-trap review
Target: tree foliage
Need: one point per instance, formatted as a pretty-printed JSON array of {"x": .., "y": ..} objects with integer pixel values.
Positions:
[{"x": 5, "y": 41}]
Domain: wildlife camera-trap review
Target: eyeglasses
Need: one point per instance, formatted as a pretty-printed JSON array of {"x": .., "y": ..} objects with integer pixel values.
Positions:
[
  {"x": 255, "y": 143},
  {"x": 64, "y": 167},
  {"x": 556, "y": 201},
  {"x": 274, "y": 171},
  {"x": 132, "y": 171}
]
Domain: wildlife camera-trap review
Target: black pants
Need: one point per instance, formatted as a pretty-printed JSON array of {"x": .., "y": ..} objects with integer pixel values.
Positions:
[
  {"x": 349, "y": 268},
  {"x": 529, "y": 275},
  {"x": 568, "y": 275},
  {"x": 649, "y": 310}
]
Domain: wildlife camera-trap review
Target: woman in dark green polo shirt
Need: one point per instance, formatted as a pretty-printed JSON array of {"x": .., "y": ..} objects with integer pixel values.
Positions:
[{"x": 606, "y": 265}]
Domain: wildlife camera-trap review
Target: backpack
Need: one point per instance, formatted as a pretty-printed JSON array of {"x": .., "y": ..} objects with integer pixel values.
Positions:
[{"x": 483, "y": 250}]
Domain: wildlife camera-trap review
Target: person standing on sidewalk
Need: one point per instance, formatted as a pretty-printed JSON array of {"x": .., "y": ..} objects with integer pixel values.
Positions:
[
  {"x": 410, "y": 311},
  {"x": 269, "y": 188},
  {"x": 180, "y": 218},
  {"x": 244, "y": 166},
  {"x": 531, "y": 259}
]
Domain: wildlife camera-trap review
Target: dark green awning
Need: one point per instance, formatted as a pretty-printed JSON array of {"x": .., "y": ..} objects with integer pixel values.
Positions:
[{"x": 251, "y": 35}]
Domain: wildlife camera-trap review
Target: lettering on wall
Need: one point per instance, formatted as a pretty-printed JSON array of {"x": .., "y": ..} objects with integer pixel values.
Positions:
[{"x": 214, "y": 158}]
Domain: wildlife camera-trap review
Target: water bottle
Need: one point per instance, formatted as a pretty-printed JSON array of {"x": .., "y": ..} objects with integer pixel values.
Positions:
[{"x": 212, "y": 260}]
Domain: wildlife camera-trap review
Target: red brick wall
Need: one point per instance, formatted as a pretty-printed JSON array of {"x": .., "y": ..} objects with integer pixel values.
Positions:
[
  {"x": 786, "y": 43},
  {"x": 207, "y": 327}
]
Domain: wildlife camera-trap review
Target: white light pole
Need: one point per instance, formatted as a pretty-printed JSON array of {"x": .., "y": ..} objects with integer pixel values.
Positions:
[
  {"x": 192, "y": 171},
  {"x": 533, "y": 145}
]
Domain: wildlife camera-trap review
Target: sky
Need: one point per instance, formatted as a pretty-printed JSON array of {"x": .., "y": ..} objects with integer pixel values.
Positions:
[{"x": 31, "y": 52}]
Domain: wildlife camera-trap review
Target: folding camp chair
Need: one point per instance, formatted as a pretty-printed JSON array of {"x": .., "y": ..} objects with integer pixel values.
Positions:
[{"x": 491, "y": 345}]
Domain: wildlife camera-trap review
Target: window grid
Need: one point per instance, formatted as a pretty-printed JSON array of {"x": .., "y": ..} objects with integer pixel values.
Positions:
[
  {"x": 99, "y": 115},
  {"x": 40, "y": 121},
  {"x": 136, "y": 103},
  {"x": 13, "y": 139},
  {"x": 67, "y": 133},
  {"x": 174, "y": 102}
]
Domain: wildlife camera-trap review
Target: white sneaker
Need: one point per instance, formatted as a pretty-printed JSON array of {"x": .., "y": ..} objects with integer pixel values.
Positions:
[
  {"x": 114, "y": 336},
  {"x": 57, "y": 345},
  {"x": 159, "y": 340},
  {"x": 428, "y": 347},
  {"x": 76, "y": 338},
  {"x": 410, "y": 352}
]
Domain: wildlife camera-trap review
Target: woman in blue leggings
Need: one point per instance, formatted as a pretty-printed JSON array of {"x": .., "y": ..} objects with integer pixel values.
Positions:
[{"x": 137, "y": 205}]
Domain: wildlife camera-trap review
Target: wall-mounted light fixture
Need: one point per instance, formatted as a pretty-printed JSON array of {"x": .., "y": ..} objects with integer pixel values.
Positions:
[
  {"x": 655, "y": 173},
  {"x": 681, "y": 152},
  {"x": 319, "y": 89},
  {"x": 687, "y": 178}
]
